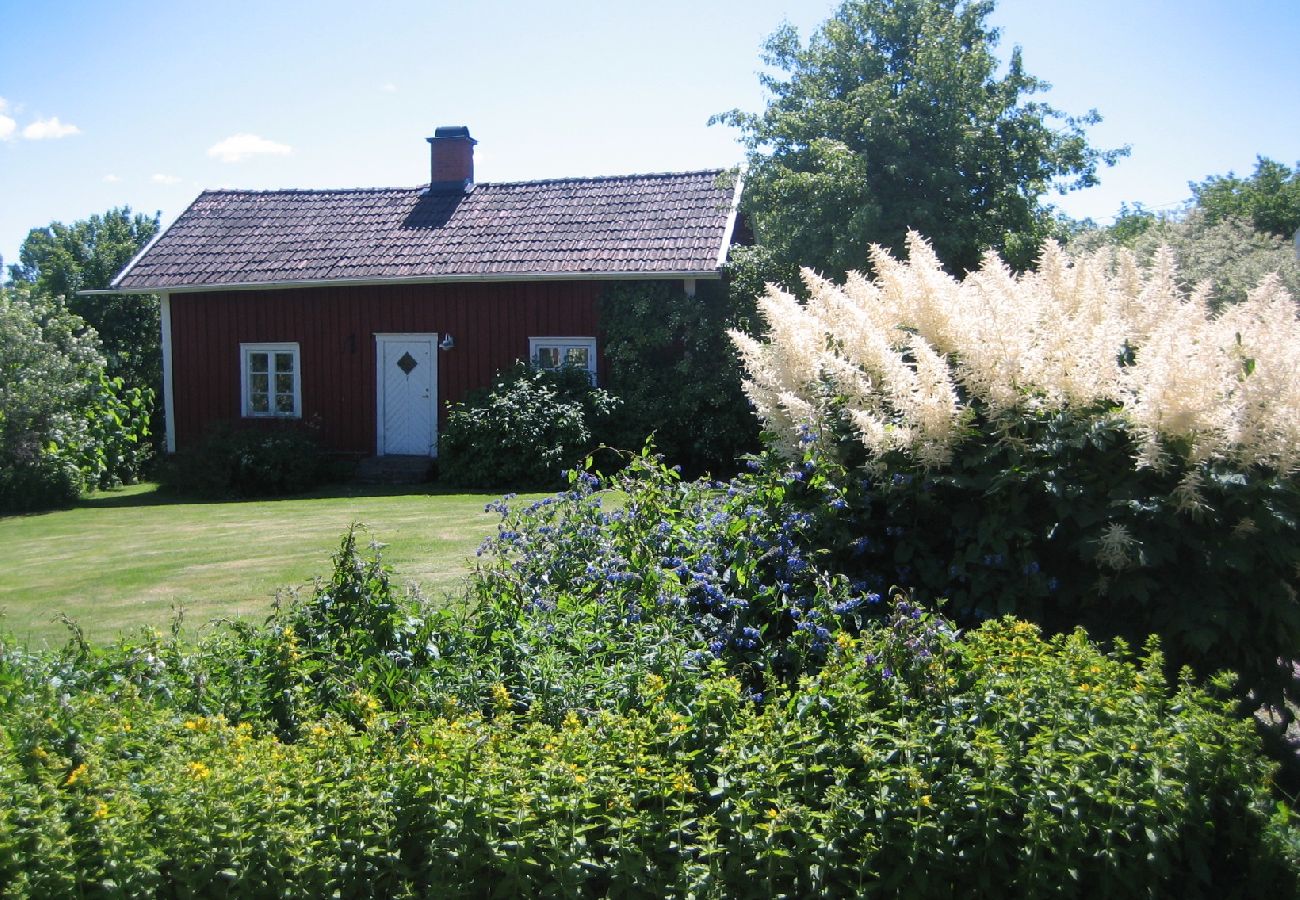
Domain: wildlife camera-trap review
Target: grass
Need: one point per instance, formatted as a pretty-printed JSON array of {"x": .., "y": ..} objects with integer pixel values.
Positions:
[{"x": 122, "y": 559}]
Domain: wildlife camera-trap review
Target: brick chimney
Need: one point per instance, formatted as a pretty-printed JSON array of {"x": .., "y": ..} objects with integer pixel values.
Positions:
[{"x": 452, "y": 151}]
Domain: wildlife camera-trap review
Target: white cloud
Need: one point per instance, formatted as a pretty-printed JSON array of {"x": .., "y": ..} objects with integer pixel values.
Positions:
[
  {"x": 111, "y": 178},
  {"x": 388, "y": 87},
  {"x": 239, "y": 147},
  {"x": 43, "y": 129},
  {"x": 7, "y": 125},
  {"x": 165, "y": 179}
]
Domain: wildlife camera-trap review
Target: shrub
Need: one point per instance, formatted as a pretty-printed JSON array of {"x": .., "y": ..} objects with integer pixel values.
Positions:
[
  {"x": 1083, "y": 444},
  {"x": 524, "y": 430},
  {"x": 251, "y": 462},
  {"x": 64, "y": 426},
  {"x": 1228, "y": 255},
  {"x": 912, "y": 763},
  {"x": 670, "y": 364}
]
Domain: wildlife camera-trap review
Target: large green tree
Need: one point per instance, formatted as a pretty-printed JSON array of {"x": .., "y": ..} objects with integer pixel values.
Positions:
[
  {"x": 59, "y": 260},
  {"x": 897, "y": 114},
  {"x": 1268, "y": 199}
]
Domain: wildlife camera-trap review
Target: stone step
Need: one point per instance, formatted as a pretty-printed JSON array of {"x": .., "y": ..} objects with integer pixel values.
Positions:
[{"x": 393, "y": 470}]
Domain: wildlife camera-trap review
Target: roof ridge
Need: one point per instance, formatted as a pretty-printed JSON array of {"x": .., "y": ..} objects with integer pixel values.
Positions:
[{"x": 477, "y": 186}]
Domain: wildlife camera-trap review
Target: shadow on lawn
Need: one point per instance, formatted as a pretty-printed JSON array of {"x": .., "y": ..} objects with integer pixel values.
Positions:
[{"x": 156, "y": 495}]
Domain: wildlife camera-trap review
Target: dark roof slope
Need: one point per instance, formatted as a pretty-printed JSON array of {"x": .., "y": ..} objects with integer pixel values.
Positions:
[{"x": 637, "y": 224}]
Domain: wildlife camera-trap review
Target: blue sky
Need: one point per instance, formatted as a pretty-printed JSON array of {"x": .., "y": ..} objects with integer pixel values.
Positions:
[{"x": 147, "y": 103}]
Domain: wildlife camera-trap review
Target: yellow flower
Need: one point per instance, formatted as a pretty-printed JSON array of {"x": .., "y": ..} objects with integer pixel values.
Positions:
[
  {"x": 580, "y": 779},
  {"x": 772, "y": 813},
  {"x": 75, "y": 775},
  {"x": 682, "y": 784},
  {"x": 101, "y": 810},
  {"x": 843, "y": 640},
  {"x": 925, "y": 800},
  {"x": 198, "y": 770},
  {"x": 571, "y": 721},
  {"x": 500, "y": 695}
]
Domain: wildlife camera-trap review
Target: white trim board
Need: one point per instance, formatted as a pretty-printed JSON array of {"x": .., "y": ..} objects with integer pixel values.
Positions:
[
  {"x": 630, "y": 275},
  {"x": 169, "y": 401}
]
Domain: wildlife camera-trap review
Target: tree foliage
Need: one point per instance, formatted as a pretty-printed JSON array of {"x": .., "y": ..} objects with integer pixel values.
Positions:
[
  {"x": 1269, "y": 199},
  {"x": 671, "y": 364},
  {"x": 65, "y": 426},
  {"x": 895, "y": 116},
  {"x": 1228, "y": 255},
  {"x": 60, "y": 260}
]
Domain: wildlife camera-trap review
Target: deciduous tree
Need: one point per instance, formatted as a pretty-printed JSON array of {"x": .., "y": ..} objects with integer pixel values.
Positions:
[
  {"x": 1269, "y": 199},
  {"x": 60, "y": 260},
  {"x": 898, "y": 114}
]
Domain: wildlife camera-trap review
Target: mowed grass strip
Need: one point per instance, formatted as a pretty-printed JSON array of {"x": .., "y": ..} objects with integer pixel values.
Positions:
[{"x": 122, "y": 559}]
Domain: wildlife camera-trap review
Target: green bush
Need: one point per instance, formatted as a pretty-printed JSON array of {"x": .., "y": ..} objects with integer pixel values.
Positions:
[
  {"x": 665, "y": 696},
  {"x": 253, "y": 461},
  {"x": 64, "y": 426},
  {"x": 671, "y": 364},
  {"x": 524, "y": 430},
  {"x": 912, "y": 764},
  {"x": 1083, "y": 444}
]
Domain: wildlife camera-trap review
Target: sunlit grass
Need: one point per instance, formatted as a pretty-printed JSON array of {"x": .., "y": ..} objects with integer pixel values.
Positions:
[{"x": 122, "y": 559}]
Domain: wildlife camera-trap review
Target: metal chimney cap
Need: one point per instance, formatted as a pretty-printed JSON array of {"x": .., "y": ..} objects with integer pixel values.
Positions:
[{"x": 452, "y": 131}]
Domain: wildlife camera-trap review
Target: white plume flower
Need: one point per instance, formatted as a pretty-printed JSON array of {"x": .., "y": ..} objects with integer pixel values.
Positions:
[{"x": 910, "y": 350}]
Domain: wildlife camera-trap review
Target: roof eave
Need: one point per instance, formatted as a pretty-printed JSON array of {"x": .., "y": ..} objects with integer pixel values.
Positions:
[{"x": 701, "y": 274}]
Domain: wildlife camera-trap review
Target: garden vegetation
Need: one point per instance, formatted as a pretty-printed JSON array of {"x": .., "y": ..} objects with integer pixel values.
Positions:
[
  {"x": 671, "y": 698},
  {"x": 1083, "y": 444},
  {"x": 65, "y": 425}
]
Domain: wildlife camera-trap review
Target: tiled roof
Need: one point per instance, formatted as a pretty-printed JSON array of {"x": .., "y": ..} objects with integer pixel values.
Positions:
[{"x": 637, "y": 224}]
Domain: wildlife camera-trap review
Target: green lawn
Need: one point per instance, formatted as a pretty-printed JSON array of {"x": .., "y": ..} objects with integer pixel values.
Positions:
[{"x": 121, "y": 559}]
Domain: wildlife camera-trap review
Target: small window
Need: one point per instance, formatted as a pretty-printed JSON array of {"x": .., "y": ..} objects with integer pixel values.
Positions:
[
  {"x": 270, "y": 380},
  {"x": 564, "y": 352}
]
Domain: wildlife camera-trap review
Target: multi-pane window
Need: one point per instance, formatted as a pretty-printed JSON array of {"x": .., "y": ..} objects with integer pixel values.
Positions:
[
  {"x": 565, "y": 352},
  {"x": 271, "y": 380}
]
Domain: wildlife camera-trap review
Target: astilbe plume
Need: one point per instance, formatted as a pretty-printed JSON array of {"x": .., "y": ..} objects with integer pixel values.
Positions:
[{"x": 907, "y": 357}]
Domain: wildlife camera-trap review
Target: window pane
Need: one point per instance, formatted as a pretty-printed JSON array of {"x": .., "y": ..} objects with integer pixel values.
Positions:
[
  {"x": 284, "y": 362},
  {"x": 259, "y": 403},
  {"x": 284, "y": 404},
  {"x": 576, "y": 356},
  {"x": 258, "y": 362},
  {"x": 259, "y": 383},
  {"x": 548, "y": 357},
  {"x": 284, "y": 384}
]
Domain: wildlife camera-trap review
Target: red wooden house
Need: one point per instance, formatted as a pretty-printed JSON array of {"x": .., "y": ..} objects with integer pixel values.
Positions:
[{"x": 369, "y": 310}]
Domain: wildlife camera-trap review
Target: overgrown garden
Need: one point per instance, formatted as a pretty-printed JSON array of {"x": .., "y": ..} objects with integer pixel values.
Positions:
[
  {"x": 753, "y": 687},
  {"x": 1000, "y": 610}
]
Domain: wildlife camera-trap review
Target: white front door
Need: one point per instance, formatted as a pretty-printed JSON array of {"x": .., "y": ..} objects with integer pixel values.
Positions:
[{"x": 407, "y": 388}]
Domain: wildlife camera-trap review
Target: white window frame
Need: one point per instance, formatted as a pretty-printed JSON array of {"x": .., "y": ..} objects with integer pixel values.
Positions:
[
  {"x": 247, "y": 350},
  {"x": 563, "y": 344}
]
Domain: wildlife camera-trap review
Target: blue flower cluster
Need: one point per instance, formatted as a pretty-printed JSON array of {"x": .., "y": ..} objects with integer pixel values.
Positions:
[{"x": 724, "y": 567}]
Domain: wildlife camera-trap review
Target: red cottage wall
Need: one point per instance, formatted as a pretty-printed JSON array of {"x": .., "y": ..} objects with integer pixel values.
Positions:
[{"x": 335, "y": 328}]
